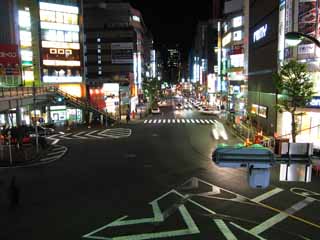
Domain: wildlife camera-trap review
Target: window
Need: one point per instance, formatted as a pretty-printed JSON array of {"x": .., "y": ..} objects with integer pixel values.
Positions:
[
  {"x": 99, "y": 61},
  {"x": 237, "y": 35},
  {"x": 99, "y": 50},
  {"x": 98, "y": 39},
  {"x": 100, "y": 72},
  {"x": 237, "y": 21}
]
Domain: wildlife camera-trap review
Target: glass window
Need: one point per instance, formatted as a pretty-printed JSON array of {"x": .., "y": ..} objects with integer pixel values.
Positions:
[
  {"x": 99, "y": 72},
  {"x": 59, "y": 17},
  {"x": 68, "y": 36},
  {"x": 60, "y": 36},
  {"x": 99, "y": 61},
  {"x": 98, "y": 39},
  {"x": 68, "y": 18},
  {"x": 47, "y": 16},
  {"x": 74, "y": 19},
  {"x": 75, "y": 37},
  {"x": 99, "y": 50}
]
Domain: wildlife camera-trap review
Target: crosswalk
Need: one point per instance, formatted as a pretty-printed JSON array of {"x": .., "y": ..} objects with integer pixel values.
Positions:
[
  {"x": 172, "y": 121},
  {"x": 114, "y": 133}
]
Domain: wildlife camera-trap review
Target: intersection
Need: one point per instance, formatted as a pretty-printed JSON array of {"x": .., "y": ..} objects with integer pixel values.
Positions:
[{"x": 157, "y": 183}]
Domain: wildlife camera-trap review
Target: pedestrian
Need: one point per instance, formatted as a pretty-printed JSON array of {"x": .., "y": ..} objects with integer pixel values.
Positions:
[
  {"x": 14, "y": 193},
  {"x": 128, "y": 116}
]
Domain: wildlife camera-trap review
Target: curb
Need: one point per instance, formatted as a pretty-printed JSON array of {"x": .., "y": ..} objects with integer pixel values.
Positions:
[{"x": 45, "y": 159}]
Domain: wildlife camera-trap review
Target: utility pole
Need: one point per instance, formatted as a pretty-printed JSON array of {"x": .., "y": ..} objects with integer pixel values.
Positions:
[
  {"x": 35, "y": 115},
  {"x": 119, "y": 104}
]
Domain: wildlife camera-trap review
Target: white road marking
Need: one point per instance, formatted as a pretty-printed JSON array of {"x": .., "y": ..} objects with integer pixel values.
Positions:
[
  {"x": 201, "y": 121},
  {"x": 164, "y": 120},
  {"x": 159, "y": 121},
  {"x": 55, "y": 141},
  {"x": 197, "y": 121},
  {"x": 80, "y": 137},
  {"x": 192, "y": 120},
  {"x": 267, "y": 195},
  {"x": 206, "y": 121},
  {"x": 55, "y": 153},
  {"x": 269, "y": 223},
  {"x": 211, "y": 121},
  {"x": 245, "y": 230},
  {"x": 65, "y": 136},
  {"x": 92, "y": 132},
  {"x": 173, "y": 121},
  {"x": 145, "y": 121},
  {"x": 155, "y": 121},
  {"x": 183, "y": 121},
  {"x": 225, "y": 230},
  {"x": 150, "y": 121},
  {"x": 178, "y": 120},
  {"x": 169, "y": 121},
  {"x": 188, "y": 121}
]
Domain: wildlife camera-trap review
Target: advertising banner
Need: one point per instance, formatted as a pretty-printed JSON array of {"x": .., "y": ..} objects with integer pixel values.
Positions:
[
  {"x": 9, "y": 54},
  {"x": 307, "y": 17},
  {"x": 122, "y": 53}
]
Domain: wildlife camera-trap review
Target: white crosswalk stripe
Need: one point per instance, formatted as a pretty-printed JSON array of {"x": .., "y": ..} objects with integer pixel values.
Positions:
[
  {"x": 173, "y": 121},
  {"x": 164, "y": 120},
  {"x": 192, "y": 120},
  {"x": 159, "y": 121},
  {"x": 188, "y": 121},
  {"x": 154, "y": 121},
  {"x": 178, "y": 120},
  {"x": 183, "y": 121},
  {"x": 145, "y": 121},
  {"x": 197, "y": 121},
  {"x": 207, "y": 121},
  {"x": 150, "y": 121},
  {"x": 211, "y": 121},
  {"x": 201, "y": 121},
  {"x": 169, "y": 120}
]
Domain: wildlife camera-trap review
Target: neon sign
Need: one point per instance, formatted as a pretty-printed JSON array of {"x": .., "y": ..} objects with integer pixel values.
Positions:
[{"x": 260, "y": 33}]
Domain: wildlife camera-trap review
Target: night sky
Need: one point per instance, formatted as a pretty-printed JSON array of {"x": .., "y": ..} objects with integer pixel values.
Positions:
[{"x": 173, "y": 21}]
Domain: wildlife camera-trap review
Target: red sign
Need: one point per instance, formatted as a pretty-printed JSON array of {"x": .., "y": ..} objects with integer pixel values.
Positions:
[{"x": 9, "y": 54}]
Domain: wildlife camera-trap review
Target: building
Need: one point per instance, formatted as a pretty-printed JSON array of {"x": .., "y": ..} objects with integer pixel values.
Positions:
[
  {"x": 117, "y": 48},
  {"x": 263, "y": 63},
  {"x": 300, "y": 16},
  {"x": 232, "y": 77},
  {"x": 173, "y": 64}
]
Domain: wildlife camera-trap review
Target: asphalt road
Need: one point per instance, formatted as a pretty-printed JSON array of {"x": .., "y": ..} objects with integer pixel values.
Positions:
[{"x": 158, "y": 183}]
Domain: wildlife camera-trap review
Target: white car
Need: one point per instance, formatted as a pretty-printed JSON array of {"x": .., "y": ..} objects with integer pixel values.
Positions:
[
  {"x": 155, "y": 110},
  {"x": 210, "y": 111}
]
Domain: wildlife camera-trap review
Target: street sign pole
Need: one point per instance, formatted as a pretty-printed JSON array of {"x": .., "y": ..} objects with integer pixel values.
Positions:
[
  {"x": 35, "y": 121},
  {"x": 10, "y": 153}
]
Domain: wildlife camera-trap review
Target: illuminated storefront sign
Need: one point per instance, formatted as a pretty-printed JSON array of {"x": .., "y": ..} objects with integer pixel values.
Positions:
[
  {"x": 237, "y": 35},
  {"x": 260, "y": 33},
  {"x": 61, "y": 56},
  {"x": 259, "y": 110},
  {"x": 237, "y": 21},
  {"x": 226, "y": 40},
  {"x": 73, "y": 89}
]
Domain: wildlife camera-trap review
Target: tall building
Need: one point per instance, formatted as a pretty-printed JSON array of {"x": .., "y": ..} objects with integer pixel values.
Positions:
[
  {"x": 232, "y": 78},
  {"x": 116, "y": 51},
  {"x": 263, "y": 63},
  {"x": 173, "y": 64}
]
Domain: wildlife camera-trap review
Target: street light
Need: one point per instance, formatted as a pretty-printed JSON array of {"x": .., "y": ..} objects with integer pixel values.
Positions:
[{"x": 294, "y": 38}]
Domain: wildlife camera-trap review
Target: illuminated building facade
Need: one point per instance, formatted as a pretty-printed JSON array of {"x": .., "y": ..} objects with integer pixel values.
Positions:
[{"x": 116, "y": 52}]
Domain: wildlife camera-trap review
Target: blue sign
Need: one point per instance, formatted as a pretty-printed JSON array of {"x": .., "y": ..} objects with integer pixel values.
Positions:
[
  {"x": 41, "y": 120},
  {"x": 315, "y": 102}
]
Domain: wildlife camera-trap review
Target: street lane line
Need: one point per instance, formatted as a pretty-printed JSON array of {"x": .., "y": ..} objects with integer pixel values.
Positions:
[
  {"x": 65, "y": 136},
  {"x": 197, "y": 121},
  {"x": 80, "y": 137},
  {"x": 245, "y": 230},
  {"x": 267, "y": 195},
  {"x": 145, "y": 121},
  {"x": 269, "y": 223},
  {"x": 55, "y": 153},
  {"x": 192, "y": 120},
  {"x": 211, "y": 121},
  {"x": 225, "y": 230},
  {"x": 206, "y": 121},
  {"x": 93, "y": 136}
]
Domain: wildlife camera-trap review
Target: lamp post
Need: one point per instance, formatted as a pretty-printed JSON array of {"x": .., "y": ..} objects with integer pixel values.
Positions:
[{"x": 295, "y": 38}]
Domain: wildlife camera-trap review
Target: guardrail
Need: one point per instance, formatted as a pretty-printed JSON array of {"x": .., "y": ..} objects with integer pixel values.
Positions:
[{"x": 23, "y": 91}]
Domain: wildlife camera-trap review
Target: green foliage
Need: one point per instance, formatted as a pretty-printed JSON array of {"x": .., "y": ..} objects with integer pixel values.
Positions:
[
  {"x": 151, "y": 88},
  {"x": 295, "y": 87}
]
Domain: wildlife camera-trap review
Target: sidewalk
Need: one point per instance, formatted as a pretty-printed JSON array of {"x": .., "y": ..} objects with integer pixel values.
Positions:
[{"x": 21, "y": 157}]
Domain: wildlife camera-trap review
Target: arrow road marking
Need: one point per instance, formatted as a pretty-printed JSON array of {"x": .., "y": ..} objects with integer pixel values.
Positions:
[
  {"x": 78, "y": 135},
  {"x": 90, "y": 134},
  {"x": 158, "y": 217}
]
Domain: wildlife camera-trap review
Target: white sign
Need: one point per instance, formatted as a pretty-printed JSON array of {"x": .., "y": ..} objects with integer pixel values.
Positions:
[
  {"x": 306, "y": 49},
  {"x": 260, "y": 33},
  {"x": 226, "y": 39}
]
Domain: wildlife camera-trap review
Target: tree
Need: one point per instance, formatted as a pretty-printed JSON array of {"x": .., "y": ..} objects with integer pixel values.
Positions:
[
  {"x": 295, "y": 87},
  {"x": 151, "y": 88}
]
